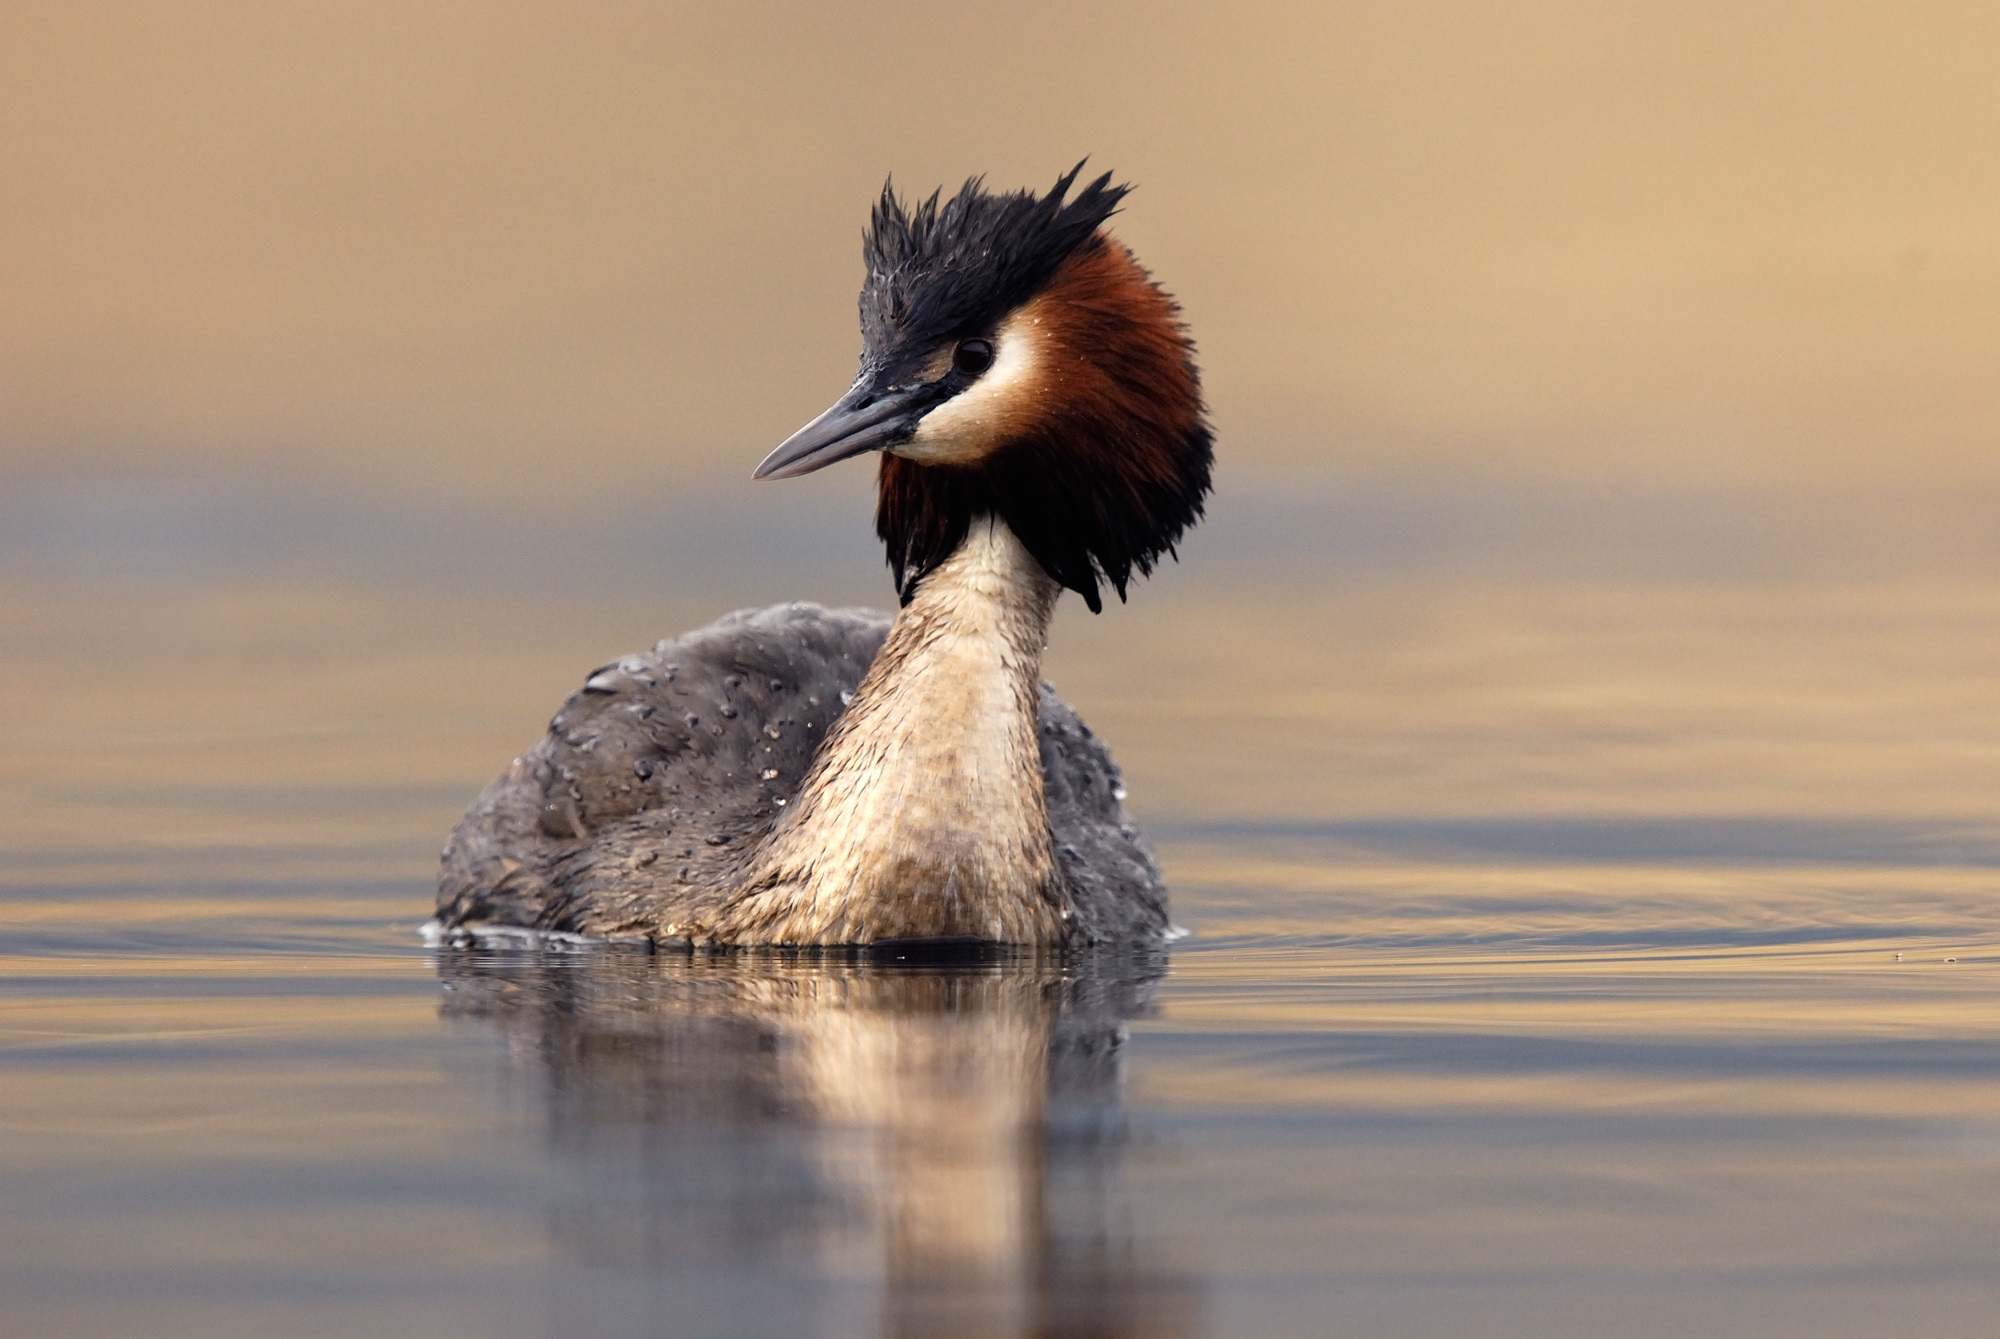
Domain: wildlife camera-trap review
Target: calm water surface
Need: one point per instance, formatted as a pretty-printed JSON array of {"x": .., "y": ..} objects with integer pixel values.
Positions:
[{"x": 1593, "y": 963}]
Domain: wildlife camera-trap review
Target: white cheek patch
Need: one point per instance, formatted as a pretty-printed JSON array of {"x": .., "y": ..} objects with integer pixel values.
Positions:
[{"x": 992, "y": 409}]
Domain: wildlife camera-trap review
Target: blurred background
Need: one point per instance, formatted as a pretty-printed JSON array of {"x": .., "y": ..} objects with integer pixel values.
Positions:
[
  {"x": 1606, "y": 395},
  {"x": 1572, "y": 738}
]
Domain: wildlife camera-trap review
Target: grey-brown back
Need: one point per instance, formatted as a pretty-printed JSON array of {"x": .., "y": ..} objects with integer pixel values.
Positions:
[{"x": 656, "y": 780}]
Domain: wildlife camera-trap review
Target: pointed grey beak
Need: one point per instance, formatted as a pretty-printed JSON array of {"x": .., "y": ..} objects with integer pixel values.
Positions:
[{"x": 864, "y": 419}]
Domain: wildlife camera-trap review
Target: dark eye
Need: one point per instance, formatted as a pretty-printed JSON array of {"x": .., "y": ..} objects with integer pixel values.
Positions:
[{"x": 972, "y": 356}]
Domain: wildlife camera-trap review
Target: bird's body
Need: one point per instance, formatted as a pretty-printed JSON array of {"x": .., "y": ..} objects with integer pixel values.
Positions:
[
  {"x": 801, "y": 776},
  {"x": 645, "y": 801}
]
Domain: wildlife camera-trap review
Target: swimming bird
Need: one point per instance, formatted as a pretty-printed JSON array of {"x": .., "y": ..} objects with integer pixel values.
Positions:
[{"x": 807, "y": 776}]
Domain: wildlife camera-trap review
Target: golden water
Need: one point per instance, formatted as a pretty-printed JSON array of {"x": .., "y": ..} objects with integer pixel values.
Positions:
[{"x": 1566, "y": 959}]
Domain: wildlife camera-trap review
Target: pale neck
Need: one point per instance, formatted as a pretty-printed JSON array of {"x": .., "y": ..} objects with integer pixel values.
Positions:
[{"x": 924, "y": 815}]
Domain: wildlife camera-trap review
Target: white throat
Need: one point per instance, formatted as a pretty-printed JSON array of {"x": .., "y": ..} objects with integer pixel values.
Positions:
[{"x": 924, "y": 815}]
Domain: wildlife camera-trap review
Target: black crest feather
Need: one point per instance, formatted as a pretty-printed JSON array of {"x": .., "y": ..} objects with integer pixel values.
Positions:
[{"x": 940, "y": 270}]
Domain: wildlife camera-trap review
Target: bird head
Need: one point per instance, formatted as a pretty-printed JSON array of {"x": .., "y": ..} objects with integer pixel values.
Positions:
[{"x": 1018, "y": 362}]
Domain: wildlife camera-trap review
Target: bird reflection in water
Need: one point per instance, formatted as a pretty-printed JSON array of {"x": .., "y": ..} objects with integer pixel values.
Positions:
[{"x": 945, "y": 1129}]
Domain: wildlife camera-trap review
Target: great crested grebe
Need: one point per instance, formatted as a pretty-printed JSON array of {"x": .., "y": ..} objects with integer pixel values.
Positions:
[{"x": 806, "y": 776}]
